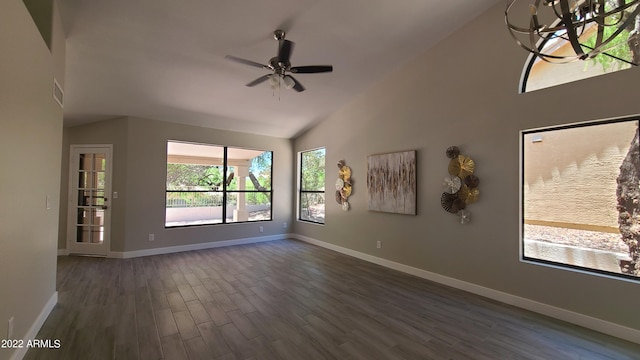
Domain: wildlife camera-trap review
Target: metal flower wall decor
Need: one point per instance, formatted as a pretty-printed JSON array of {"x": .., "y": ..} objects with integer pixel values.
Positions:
[
  {"x": 460, "y": 186},
  {"x": 343, "y": 185}
]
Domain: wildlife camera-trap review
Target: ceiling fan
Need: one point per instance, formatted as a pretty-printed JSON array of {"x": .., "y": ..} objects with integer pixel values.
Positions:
[{"x": 281, "y": 67}]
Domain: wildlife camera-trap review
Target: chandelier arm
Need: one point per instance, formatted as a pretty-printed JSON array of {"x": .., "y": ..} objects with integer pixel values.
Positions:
[
  {"x": 575, "y": 17},
  {"x": 512, "y": 27},
  {"x": 562, "y": 26},
  {"x": 568, "y": 23},
  {"x": 532, "y": 49},
  {"x": 535, "y": 24},
  {"x": 581, "y": 24},
  {"x": 611, "y": 55},
  {"x": 601, "y": 14},
  {"x": 555, "y": 10},
  {"x": 600, "y": 35},
  {"x": 619, "y": 9},
  {"x": 621, "y": 28}
]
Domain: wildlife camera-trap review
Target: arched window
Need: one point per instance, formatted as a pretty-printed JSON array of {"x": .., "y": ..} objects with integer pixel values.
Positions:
[{"x": 539, "y": 74}]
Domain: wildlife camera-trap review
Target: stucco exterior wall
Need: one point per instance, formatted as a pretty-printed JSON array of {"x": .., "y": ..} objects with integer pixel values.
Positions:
[{"x": 570, "y": 175}]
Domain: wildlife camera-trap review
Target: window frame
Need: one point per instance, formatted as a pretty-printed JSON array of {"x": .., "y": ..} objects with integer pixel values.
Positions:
[
  {"x": 521, "y": 198},
  {"x": 301, "y": 191},
  {"x": 225, "y": 192}
]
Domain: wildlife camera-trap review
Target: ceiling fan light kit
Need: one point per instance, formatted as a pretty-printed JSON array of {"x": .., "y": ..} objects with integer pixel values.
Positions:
[{"x": 280, "y": 66}]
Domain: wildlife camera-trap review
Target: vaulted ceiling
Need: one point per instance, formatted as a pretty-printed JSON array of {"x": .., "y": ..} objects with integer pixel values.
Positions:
[{"x": 164, "y": 59}]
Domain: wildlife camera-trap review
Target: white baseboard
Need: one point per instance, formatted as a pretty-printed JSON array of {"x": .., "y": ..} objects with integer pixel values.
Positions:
[
  {"x": 208, "y": 245},
  {"x": 589, "y": 322},
  {"x": 35, "y": 327}
]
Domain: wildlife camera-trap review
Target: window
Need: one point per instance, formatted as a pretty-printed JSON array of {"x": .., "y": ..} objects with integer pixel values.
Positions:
[
  {"x": 539, "y": 74},
  {"x": 311, "y": 197},
  {"x": 580, "y": 195},
  {"x": 209, "y": 184}
]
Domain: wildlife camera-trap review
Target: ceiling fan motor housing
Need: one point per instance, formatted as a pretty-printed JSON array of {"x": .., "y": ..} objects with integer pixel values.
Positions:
[
  {"x": 279, "y": 34},
  {"x": 279, "y": 67}
]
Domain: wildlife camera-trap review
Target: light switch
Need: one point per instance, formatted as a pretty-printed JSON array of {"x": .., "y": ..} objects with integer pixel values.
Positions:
[{"x": 115, "y": 195}]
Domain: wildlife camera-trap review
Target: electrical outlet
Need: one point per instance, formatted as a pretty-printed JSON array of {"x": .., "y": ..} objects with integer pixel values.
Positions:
[
  {"x": 284, "y": 225},
  {"x": 10, "y": 329},
  {"x": 379, "y": 244},
  {"x": 261, "y": 229},
  {"x": 152, "y": 237}
]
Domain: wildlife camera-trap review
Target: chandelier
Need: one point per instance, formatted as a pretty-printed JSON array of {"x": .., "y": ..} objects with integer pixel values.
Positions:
[{"x": 545, "y": 25}]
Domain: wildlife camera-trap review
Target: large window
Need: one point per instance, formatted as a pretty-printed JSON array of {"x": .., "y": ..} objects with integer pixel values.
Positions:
[
  {"x": 311, "y": 196},
  {"x": 580, "y": 205},
  {"x": 209, "y": 184}
]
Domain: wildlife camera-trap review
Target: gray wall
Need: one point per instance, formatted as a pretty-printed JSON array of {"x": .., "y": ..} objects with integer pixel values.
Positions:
[
  {"x": 30, "y": 147},
  {"x": 139, "y": 176},
  {"x": 464, "y": 92}
]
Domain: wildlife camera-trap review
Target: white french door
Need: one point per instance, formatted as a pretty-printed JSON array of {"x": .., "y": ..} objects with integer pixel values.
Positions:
[{"x": 88, "y": 226}]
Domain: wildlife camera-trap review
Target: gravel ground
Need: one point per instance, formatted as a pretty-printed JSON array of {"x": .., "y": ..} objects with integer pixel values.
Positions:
[{"x": 579, "y": 238}]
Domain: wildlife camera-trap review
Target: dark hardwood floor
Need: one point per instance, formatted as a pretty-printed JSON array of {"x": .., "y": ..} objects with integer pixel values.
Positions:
[{"x": 290, "y": 300}]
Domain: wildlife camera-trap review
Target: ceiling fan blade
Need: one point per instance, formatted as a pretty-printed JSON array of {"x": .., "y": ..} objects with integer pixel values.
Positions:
[
  {"x": 284, "y": 51},
  {"x": 259, "y": 80},
  {"x": 312, "y": 69},
  {"x": 297, "y": 86},
  {"x": 246, "y": 62}
]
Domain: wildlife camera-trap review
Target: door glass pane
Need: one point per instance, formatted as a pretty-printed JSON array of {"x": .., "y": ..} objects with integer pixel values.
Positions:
[
  {"x": 99, "y": 162},
  {"x": 99, "y": 183},
  {"x": 91, "y": 198},
  {"x": 85, "y": 161},
  {"x": 97, "y": 234},
  {"x": 84, "y": 197},
  {"x": 83, "y": 217},
  {"x": 97, "y": 198},
  {"x": 90, "y": 234},
  {"x": 84, "y": 180},
  {"x": 91, "y": 216},
  {"x": 97, "y": 217},
  {"x": 84, "y": 234}
]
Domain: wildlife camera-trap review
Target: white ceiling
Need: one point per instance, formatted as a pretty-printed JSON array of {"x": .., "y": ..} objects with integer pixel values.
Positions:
[{"x": 164, "y": 59}]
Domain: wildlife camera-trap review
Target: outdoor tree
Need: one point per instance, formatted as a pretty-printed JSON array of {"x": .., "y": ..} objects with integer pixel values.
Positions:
[
  {"x": 185, "y": 176},
  {"x": 314, "y": 170},
  {"x": 628, "y": 195},
  {"x": 312, "y": 181},
  {"x": 624, "y": 48},
  {"x": 260, "y": 169}
]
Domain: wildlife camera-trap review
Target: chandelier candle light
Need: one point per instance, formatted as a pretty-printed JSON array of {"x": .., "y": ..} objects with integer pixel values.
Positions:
[{"x": 562, "y": 21}]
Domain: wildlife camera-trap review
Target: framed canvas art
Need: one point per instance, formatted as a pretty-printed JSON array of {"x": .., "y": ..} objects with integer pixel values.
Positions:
[{"x": 391, "y": 182}]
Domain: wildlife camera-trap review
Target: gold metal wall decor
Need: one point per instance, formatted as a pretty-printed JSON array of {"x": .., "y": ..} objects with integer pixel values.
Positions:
[
  {"x": 460, "y": 186},
  {"x": 343, "y": 185}
]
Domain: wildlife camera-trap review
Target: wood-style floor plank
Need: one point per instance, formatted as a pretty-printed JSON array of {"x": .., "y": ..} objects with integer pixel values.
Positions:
[{"x": 290, "y": 300}]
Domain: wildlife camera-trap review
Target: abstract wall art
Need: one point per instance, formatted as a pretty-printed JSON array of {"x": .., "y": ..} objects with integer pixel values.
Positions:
[{"x": 391, "y": 182}]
